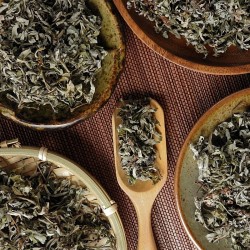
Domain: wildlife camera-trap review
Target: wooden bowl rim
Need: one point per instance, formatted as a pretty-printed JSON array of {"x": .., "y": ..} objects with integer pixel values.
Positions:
[
  {"x": 202, "y": 120},
  {"x": 88, "y": 180},
  {"x": 207, "y": 69}
]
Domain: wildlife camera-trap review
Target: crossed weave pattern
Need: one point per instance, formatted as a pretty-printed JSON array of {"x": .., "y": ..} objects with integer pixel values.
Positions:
[{"x": 184, "y": 95}]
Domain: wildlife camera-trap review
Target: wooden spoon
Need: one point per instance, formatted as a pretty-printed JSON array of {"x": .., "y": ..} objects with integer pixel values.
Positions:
[{"x": 142, "y": 194}]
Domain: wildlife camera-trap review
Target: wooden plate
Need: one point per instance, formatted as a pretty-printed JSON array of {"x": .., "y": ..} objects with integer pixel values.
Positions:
[
  {"x": 187, "y": 170},
  {"x": 234, "y": 61}
]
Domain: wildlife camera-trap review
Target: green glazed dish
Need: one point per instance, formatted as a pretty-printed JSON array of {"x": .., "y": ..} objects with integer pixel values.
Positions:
[
  {"x": 187, "y": 171},
  {"x": 112, "y": 40}
]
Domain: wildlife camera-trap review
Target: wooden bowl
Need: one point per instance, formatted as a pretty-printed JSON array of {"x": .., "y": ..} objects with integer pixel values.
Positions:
[
  {"x": 187, "y": 170},
  {"x": 25, "y": 160},
  {"x": 234, "y": 61},
  {"x": 106, "y": 79}
]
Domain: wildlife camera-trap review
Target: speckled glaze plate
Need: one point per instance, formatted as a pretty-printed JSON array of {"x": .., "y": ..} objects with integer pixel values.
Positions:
[
  {"x": 187, "y": 171},
  {"x": 111, "y": 38}
]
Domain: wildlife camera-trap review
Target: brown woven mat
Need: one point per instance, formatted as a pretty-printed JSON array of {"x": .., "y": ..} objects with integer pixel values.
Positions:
[{"x": 184, "y": 95}]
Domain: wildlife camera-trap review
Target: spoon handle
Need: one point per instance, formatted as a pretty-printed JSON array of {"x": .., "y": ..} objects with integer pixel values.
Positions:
[{"x": 146, "y": 239}]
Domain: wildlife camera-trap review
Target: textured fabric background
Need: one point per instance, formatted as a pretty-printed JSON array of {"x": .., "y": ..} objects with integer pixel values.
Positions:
[{"x": 184, "y": 96}]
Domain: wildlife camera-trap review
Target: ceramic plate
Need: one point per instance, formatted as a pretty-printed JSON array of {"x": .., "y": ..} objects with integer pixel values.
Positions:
[
  {"x": 187, "y": 171},
  {"x": 106, "y": 79}
]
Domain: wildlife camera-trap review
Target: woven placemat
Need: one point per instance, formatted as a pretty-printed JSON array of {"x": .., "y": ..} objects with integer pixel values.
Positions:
[{"x": 184, "y": 96}]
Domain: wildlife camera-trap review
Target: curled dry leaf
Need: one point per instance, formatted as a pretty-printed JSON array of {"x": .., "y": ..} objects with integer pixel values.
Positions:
[
  {"x": 223, "y": 203},
  {"x": 49, "y": 53},
  {"x": 44, "y": 211},
  {"x": 137, "y": 136},
  {"x": 203, "y": 24}
]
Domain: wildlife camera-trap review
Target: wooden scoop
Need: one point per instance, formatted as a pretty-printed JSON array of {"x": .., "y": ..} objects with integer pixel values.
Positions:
[{"x": 143, "y": 193}]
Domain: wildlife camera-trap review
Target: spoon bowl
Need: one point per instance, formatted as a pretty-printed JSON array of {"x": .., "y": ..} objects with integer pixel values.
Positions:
[{"x": 143, "y": 193}]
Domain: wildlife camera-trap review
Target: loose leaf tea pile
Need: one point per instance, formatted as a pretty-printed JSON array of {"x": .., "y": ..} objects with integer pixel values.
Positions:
[
  {"x": 47, "y": 212},
  {"x": 49, "y": 53},
  {"x": 137, "y": 139},
  {"x": 223, "y": 207},
  {"x": 214, "y": 23}
]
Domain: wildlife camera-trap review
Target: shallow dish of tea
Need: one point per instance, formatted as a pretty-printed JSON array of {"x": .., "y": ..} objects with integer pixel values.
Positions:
[
  {"x": 111, "y": 39},
  {"x": 186, "y": 174},
  {"x": 234, "y": 61},
  {"x": 26, "y": 161}
]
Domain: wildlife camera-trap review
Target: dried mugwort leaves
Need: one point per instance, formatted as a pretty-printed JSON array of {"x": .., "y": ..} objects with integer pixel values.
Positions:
[
  {"x": 223, "y": 159},
  {"x": 44, "y": 211},
  {"x": 207, "y": 23},
  {"x": 49, "y": 53},
  {"x": 138, "y": 136}
]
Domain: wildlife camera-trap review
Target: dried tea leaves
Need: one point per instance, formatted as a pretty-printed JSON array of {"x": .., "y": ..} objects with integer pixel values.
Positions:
[
  {"x": 223, "y": 206},
  {"x": 47, "y": 212},
  {"x": 49, "y": 53},
  {"x": 213, "y": 23},
  {"x": 137, "y": 139}
]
